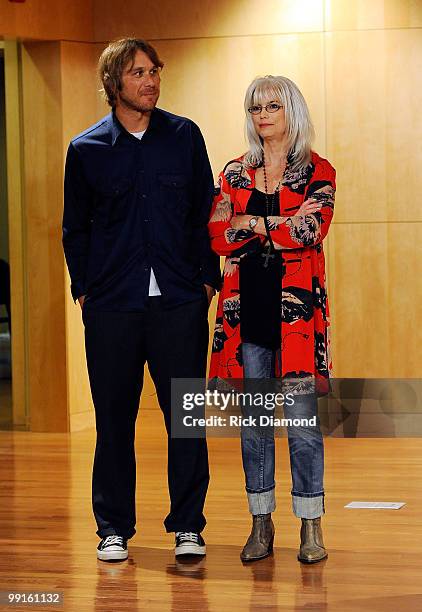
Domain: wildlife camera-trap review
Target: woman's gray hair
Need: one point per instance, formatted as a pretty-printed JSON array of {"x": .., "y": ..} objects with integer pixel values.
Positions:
[{"x": 299, "y": 129}]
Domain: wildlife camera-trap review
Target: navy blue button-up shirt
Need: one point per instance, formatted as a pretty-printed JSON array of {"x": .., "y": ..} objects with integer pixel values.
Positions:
[{"x": 132, "y": 204}]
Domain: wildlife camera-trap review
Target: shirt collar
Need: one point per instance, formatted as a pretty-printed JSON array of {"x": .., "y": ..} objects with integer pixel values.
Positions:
[{"x": 117, "y": 129}]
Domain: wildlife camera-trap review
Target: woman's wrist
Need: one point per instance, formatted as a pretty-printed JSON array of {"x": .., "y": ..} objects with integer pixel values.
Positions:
[
  {"x": 241, "y": 222},
  {"x": 253, "y": 222},
  {"x": 260, "y": 227}
]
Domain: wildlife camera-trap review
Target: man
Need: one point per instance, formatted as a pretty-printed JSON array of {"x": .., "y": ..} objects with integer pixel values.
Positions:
[{"x": 138, "y": 193}]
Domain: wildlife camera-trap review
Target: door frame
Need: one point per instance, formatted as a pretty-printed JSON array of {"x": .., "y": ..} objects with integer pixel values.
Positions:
[{"x": 17, "y": 242}]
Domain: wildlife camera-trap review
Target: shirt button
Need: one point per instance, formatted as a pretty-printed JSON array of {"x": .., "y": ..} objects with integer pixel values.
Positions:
[{"x": 144, "y": 195}]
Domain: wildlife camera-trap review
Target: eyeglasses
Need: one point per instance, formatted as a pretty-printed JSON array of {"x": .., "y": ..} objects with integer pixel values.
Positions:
[
  {"x": 153, "y": 72},
  {"x": 272, "y": 107}
]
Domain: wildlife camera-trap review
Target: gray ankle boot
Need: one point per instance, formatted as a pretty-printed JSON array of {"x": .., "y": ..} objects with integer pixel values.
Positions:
[
  {"x": 312, "y": 547},
  {"x": 260, "y": 542}
]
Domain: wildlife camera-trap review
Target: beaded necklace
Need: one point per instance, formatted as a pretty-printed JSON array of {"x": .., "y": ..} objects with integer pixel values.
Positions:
[{"x": 269, "y": 211}]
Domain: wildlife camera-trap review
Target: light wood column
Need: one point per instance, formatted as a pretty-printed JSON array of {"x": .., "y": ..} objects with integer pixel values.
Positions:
[{"x": 43, "y": 159}]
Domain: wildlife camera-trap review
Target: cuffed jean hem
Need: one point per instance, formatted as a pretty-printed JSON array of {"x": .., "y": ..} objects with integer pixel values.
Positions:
[
  {"x": 308, "y": 507},
  {"x": 261, "y": 503}
]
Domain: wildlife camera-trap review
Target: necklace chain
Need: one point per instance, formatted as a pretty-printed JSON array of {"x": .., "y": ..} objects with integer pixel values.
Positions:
[
  {"x": 273, "y": 195},
  {"x": 268, "y": 251}
]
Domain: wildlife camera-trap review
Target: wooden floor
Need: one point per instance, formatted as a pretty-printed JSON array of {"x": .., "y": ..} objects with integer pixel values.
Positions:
[{"x": 48, "y": 540}]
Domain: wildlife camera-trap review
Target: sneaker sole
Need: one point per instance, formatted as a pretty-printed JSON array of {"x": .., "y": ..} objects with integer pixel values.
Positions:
[
  {"x": 187, "y": 549},
  {"x": 114, "y": 555}
]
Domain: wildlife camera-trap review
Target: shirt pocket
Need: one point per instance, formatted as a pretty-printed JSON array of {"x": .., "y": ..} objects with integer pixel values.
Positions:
[
  {"x": 174, "y": 191},
  {"x": 114, "y": 199}
]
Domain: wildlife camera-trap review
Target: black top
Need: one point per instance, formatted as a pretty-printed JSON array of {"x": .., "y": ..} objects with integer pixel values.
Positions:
[
  {"x": 260, "y": 288},
  {"x": 132, "y": 204}
]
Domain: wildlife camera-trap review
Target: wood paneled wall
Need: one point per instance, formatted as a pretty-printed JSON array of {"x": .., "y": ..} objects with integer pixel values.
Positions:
[
  {"x": 359, "y": 65},
  {"x": 47, "y": 20},
  {"x": 170, "y": 20},
  {"x": 374, "y": 127}
]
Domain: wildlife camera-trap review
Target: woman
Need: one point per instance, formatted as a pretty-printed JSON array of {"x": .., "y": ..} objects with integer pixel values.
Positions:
[{"x": 271, "y": 212}]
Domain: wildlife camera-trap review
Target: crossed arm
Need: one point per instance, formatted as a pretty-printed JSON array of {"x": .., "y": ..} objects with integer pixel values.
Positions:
[
  {"x": 241, "y": 222},
  {"x": 231, "y": 234}
]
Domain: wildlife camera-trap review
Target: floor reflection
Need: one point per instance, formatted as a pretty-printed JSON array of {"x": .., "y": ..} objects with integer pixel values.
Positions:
[{"x": 194, "y": 569}]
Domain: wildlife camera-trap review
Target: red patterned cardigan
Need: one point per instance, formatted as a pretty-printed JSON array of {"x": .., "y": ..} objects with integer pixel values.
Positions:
[{"x": 305, "y": 327}]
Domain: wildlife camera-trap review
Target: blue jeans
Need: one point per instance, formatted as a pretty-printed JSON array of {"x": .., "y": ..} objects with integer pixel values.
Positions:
[{"x": 306, "y": 445}]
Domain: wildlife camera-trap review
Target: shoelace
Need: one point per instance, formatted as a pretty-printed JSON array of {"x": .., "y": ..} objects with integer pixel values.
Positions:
[
  {"x": 187, "y": 536},
  {"x": 113, "y": 539}
]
